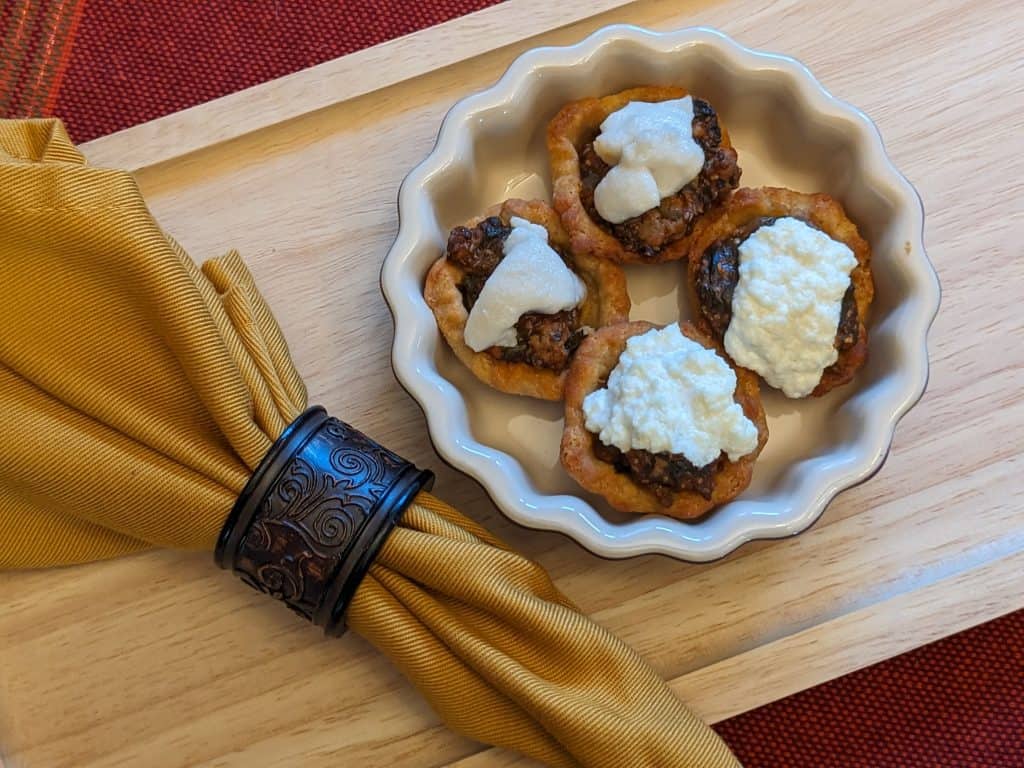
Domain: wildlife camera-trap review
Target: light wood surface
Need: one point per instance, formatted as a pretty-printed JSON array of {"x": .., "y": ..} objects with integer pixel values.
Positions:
[{"x": 160, "y": 660}]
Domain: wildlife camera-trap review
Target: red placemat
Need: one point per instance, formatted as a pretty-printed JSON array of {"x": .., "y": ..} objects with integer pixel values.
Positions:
[
  {"x": 956, "y": 703},
  {"x": 103, "y": 65}
]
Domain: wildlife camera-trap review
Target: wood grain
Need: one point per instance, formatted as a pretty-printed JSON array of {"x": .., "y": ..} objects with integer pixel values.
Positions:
[
  {"x": 721, "y": 690},
  {"x": 160, "y": 660}
]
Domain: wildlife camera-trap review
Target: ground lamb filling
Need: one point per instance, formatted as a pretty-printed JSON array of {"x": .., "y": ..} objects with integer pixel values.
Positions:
[
  {"x": 719, "y": 272},
  {"x": 676, "y": 216},
  {"x": 664, "y": 474},
  {"x": 543, "y": 341}
]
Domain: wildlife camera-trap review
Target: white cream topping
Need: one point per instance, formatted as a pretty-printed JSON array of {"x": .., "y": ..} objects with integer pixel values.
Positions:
[
  {"x": 653, "y": 155},
  {"x": 785, "y": 309},
  {"x": 669, "y": 393},
  {"x": 530, "y": 278}
]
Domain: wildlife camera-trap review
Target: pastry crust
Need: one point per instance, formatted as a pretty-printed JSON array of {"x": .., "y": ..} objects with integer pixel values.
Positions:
[
  {"x": 607, "y": 302},
  {"x": 594, "y": 361},
  {"x": 568, "y": 131},
  {"x": 826, "y": 214}
]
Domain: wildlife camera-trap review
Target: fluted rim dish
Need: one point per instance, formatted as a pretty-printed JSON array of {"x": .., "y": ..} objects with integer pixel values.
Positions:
[{"x": 416, "y": 335}]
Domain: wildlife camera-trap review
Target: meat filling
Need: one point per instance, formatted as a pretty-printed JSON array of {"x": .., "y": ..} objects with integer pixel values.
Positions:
[
  {"x": 676, "y": 215},
  {"x": 664, "y": 474},
  {"x": 543, "y": 341},
  {"x": 719, "y": 272}
]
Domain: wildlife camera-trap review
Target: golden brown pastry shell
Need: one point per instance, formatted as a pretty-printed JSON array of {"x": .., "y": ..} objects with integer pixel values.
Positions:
[
  {"x": 825, "y": 213},
  {"x": 607, "y": 302},
  {"x": 568, "y": 131},
  {"x": 594, "y": 361}
]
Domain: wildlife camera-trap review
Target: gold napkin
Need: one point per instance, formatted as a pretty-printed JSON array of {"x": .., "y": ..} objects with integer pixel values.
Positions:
[{"x": 138, "y": 393}]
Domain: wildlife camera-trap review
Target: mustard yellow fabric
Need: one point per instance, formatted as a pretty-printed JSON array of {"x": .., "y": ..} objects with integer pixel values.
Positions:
[
  {"x": 137, "y": 394},
  {"x": 505, "y": 658}
]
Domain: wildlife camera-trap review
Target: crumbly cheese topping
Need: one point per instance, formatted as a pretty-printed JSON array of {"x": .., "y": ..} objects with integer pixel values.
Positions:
[
  {"x": 786, "y": 306},
  {"x": 667, "y": 393},
  {"x": 530, "y": 278},
  {"x": 653, "y": 155}
]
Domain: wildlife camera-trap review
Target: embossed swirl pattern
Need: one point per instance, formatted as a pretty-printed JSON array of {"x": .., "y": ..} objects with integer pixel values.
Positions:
[{"x": 313, "y": 512}]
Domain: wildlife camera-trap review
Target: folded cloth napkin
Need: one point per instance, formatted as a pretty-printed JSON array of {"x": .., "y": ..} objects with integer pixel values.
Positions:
[{"x": 138, "y": 394}]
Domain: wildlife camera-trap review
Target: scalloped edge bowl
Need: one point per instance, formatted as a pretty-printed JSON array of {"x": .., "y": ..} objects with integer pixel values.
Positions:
[{"x": 792, "y": 132}]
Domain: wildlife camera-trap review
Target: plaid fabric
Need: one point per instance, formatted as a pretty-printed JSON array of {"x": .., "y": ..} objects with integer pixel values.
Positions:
[
  {"x": 36, "y": 49},
  {"x": 103, "y": 65}
]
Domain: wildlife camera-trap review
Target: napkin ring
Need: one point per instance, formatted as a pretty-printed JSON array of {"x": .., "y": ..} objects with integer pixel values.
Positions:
[{"x": 315, "y": 513}]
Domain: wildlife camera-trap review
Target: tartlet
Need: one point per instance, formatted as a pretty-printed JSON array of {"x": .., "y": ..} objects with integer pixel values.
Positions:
[
  {"x": 449, "y": 291},
  {"x": 662, "y": 233},
  {"x": 593, "y": 363},
  {"x": 712, "y": 278}
]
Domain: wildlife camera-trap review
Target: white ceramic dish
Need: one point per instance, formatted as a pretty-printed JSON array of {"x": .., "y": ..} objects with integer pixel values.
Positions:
[{"x": 789, "y": 131}]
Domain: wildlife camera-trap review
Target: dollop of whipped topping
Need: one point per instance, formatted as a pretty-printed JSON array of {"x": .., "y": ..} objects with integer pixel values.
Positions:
[
  {"x": 786, "y": 306},
  {"x": 530, "y": 278},
  {"x": 652, "y": 152},
  {"x": 667, "y": 393}
]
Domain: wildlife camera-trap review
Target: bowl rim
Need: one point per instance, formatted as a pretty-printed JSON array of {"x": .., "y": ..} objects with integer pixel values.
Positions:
[{"x": 501, "y": 474}]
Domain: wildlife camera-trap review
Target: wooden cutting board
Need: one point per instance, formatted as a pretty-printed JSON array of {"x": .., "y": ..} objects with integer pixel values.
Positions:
[{"x": 160, "y": 660}]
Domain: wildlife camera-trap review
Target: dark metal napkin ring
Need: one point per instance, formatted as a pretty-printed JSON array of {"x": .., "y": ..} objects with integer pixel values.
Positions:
[{"x": 314, "y": 515}]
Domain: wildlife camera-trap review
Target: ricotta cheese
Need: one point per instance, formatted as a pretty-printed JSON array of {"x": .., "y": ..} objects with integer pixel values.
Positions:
[
  {"x": 653, "y": 155},
  {"x": 786, "y": 306},
  {"x": 668, "y": 393},
  {"x": 530, "y": 278}
]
